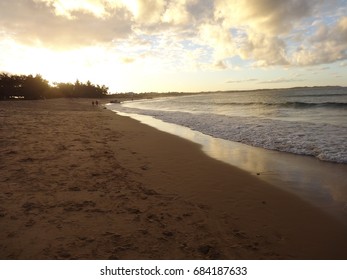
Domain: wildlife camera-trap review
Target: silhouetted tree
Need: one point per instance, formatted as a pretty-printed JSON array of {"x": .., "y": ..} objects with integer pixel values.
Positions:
[
  {"x": 10, "y": 85},
  {"x": 35, "y": 87},
  {"x": 30, "y": 87},
  {"x": 65, "y": 89},
  {"x": 89, "y": 90}
]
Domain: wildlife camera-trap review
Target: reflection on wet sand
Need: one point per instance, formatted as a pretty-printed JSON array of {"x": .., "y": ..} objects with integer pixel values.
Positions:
[{"x": 323, "y": 184}]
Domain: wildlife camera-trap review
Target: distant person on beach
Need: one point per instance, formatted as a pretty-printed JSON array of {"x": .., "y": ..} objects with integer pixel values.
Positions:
[
  {"x": 96, "y": 102},
  {"x": 93, "y": 103}
]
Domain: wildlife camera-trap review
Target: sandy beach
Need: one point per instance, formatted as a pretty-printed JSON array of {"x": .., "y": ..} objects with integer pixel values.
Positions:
[{"x": 80, "y": 182}]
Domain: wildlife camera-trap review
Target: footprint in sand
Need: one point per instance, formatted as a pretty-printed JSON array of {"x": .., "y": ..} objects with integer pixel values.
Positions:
[
  {"x": 240, "y": 234},
  {"x": 62, "y": 253},
  {"x": 30, "y": 223},
  {"x": 168, "y": 233},
  {"x": 73, "y": 206},
  {"x": 74, "y": 189},
  {"x": 32, "y": 207},
  {"x": 11, "y": 234},
  {"x": 2, "y": 213},
  {"x": 209, "y": 251},
  {"x": 133, "y": 210}
]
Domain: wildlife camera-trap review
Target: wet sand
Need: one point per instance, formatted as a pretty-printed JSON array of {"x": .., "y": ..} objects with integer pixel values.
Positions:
[
  {"x": 320, "y": 183},
  {"x": 80, "y": 182}
]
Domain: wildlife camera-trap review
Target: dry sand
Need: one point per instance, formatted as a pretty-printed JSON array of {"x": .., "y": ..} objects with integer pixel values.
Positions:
[{"x": 80, "y": 182}]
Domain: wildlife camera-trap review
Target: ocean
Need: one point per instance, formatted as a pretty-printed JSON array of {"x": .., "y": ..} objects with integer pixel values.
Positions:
[
  {"x": 310, "y": 121},
  {"x": 294, "y": 139}
]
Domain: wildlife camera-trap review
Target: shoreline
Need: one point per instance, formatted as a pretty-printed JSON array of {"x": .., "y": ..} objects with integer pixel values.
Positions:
[
  {"x": 318, "y": 182},
  {"x": 84, "y": 183}
]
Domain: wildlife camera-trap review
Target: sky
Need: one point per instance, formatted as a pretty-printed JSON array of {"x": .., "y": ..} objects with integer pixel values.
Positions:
[{"x": 182, "y": 45}]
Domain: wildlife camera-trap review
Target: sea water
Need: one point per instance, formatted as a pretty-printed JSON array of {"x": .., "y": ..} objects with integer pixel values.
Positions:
[
  {"x": 300, "y": 121},
  {"x": 293, "y": 138}
]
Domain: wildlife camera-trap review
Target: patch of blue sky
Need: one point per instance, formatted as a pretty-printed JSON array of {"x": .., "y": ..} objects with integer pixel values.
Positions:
[
  {"x": 204, "y": 50},
  {"x": 141, "y": 44},
  {"x": 306, "y": 26},
  {"x": 330, "y": 14},
  {"x": 329, "y": 20},
  {"x": 148, "y": 37},
  {"x": 206, "y": 55},
  {"x": 342, "y": 10},
  {"x": 190, "y": 45},
  {"x": 148, "y": 41},
  {"x": 238, "y": 32},
  {"x": 299, "y": 35}
]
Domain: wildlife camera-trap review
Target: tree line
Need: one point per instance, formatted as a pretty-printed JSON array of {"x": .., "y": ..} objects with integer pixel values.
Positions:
[{"x": 36, "y": 87}]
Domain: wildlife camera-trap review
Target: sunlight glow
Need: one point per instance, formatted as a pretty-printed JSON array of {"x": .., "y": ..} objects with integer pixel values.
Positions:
[
  {"x": 183, "y": 45},
  {"x": 132, "y": 5},
  {"x": 67, "y": 7}
]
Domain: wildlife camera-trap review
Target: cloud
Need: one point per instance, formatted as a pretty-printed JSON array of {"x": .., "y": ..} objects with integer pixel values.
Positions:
[
  {"x": 252, "y": 29},
  {"x": 36, "y": 23},
  {"x": 67, "y": 8},
  {"x": 201, "y": 10},
  {"x": 148, "y": 11},
  {"x": 264, "y": 49},
  {"x": 128, "y": 60},
  {"x": 241, "y": 81},
  {"x": 281, "y": 80},
  {"x": 262, "y": 32},
  {"x": 177, "y": 13},
  {"x": 218, "y": 39},
  {"x": 170, "y": 12},
  {"x": 248, "y": 45},
  {"x": 221, "y": 65},
  {"x": 328, "y": 44},
  {"x": 264, "y": 16},
  {"x": 270, "y": 29},
  {"x": 66, "y": 24}
]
